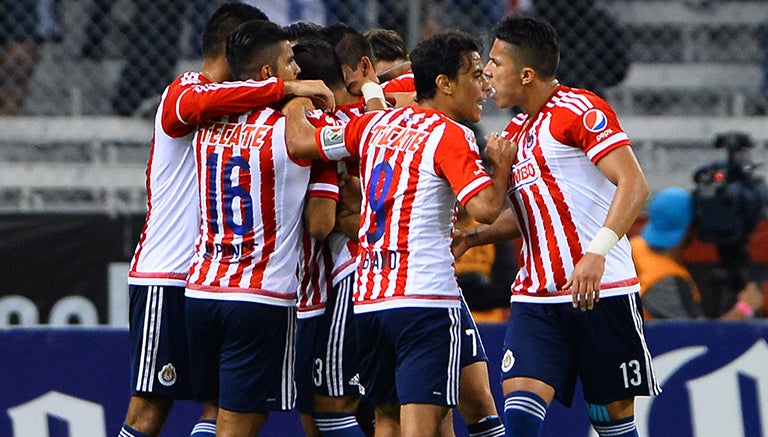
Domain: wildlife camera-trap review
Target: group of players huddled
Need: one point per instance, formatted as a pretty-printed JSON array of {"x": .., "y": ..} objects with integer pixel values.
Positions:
[{"x": 298, "y": 247}]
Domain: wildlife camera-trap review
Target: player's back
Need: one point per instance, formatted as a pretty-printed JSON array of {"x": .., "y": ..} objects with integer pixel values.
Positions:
[{"x": 252, "y": 197}]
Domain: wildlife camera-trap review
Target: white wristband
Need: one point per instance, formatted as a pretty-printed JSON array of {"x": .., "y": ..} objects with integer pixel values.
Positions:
[
  {"x": 372, "y": 91},
  {"x": 603, "y": 242}
]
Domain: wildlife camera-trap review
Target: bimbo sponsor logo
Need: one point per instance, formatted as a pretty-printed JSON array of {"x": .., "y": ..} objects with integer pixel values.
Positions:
[
  {"x": 594, "y": 120},
  {"x": 525, "y": 173}
]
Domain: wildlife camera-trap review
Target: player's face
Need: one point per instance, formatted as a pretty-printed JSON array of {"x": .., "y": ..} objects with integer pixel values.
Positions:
[
  {"x": 471, "y": 88},
  {"x": 287, "y": 68},
  {"x": 504, "y": 73},
  {"x": 354, "y": 79}
]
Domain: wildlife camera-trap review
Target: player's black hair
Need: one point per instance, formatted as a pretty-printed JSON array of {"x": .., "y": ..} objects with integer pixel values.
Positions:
[
  {"x": 223, "y": 21},
  {"x": 445, "y": 53},
  {"x": 387, "y": 45},
  {"x": 252, "y": 45},
  {"x": 303, "y": 31},
  {"x": 350, "y": 44},
  {"x": 318, "y": 60},
  {"x": 536, "y": 39}
]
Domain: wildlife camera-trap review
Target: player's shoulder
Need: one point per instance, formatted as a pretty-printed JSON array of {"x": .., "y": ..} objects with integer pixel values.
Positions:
[{"x": 575, "y": 102}]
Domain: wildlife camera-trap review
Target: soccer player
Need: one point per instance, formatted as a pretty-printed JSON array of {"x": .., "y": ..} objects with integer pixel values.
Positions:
[
  {"x": 414, "y": 162},
  {"x": 476, "y": 403},
  {"x": 393, "y": 68},
  {"x": 326, "y": 353},
  {"x": 159, "y": 356},
  {"x": 355, "y": 54},
  {"x": 576, "y": 188},
  {"x": 241, "y": 288}
]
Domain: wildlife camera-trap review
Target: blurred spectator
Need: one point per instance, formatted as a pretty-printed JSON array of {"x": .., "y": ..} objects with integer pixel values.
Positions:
[
  {"x": 24, "y": 26},
  {"x": 667, "y": 289},
  {"x": 594, "y": 47},
  {"x": 484, "y": 274},
  {"x": 290, "y": 11}
]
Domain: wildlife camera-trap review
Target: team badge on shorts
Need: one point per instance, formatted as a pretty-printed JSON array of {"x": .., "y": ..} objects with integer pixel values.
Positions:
[
  {"x": 167, "y": 375},
  {"x": 507, "y": 361}
]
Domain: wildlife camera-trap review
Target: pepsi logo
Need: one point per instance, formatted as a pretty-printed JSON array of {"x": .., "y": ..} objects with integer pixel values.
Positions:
[{"x": 595, "y": 120}]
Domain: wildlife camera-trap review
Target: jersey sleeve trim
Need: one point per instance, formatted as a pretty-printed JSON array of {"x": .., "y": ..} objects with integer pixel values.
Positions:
[
  {"x": 473, "y": 188},
  {"x": 601, "y": 149},
  {"x": 324, "y": 190}
]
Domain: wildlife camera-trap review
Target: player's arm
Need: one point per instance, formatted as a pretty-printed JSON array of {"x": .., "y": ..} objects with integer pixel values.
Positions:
[
  {"x": 199, "y": 103},
  {"x": 620, "y": 167},
  {"x": 486, "y": 205},
  {"x": 319, "y": 216},
  {"x": 299, "y": 132},
  {"x": 322, "y": 197},
  {"x": 504, "y": 228}
]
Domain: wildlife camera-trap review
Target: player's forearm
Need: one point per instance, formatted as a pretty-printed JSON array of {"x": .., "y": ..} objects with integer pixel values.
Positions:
[
  {"x": 299, "y": 132},
  {"x": 626, "y": 204},
  {"x": 504, "y": 228}
]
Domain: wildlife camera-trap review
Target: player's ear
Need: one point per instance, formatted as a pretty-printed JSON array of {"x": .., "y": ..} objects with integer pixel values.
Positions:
[
  {"x": 527, "y": 75},
  {"x": 368, "y": 69},
  {"x": 265, "y": 72},
  {"x": 444, "y": 84}
]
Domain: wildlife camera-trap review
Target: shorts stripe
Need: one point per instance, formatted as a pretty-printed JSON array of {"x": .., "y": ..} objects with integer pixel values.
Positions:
[
  {"x": 653, "y": 384},
  {"x": 334, "y": 368},
  {"x": 288, "y": 392},
  {"x": 150, "y": 339},
  {"x": 454, "y": 357}
]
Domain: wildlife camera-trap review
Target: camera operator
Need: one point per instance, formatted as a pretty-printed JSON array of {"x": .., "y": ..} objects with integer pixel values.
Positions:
[
  {"x": 667, "y": 289},
  {"x": 730, "y": 199}
]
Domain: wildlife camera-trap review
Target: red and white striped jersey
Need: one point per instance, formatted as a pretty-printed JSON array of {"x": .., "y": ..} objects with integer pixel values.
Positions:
[
  {"x": 251, "y": 201},
  {"x": 414, "y": 163},
  {"x": 561, "y": 198},
  {"x": 325, "y": 263},
  {"x": 166, "y": 244},
  {"x": 400, "y": 84}
]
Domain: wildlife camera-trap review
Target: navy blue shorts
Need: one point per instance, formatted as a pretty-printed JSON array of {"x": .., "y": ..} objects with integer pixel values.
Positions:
[
  {"x": 242, "y": 353},
  {"x": 159, "y": 354},
  {"x": 326, "y": 350},
  {"x": 605, "y": 347},
  {"x": 410, "y": 355},
  {"x": 472, "y": 349}
]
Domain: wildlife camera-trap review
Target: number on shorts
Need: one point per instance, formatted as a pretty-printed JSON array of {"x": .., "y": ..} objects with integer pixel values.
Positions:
[
  {"x": 317, "y": 375},
  {"x": 473, "y": 335},
  {"x": 632, "y": 367}
]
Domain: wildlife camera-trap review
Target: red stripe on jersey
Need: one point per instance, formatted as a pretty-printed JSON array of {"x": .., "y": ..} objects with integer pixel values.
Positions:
[
  {"x": 550, "y": 237},
  {"x": 267, "y": 173}
]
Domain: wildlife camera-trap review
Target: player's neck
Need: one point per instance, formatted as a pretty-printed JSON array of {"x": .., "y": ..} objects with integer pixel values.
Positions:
[
  {"x": 216, "y": 69},
  {"x": 344, "y": 97},
  {"x": 540, "y": 95}
]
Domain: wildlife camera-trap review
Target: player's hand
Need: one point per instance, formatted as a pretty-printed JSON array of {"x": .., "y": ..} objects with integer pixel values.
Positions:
[
  {"x": 350, "y": 194},
  {"x": 321, "y": 95},
  {"x": 298, "y": 105},
  {"x": 500, "y": 152},
  {"x": 461, "y": 243},
  {"x": 585, "y": 280}
]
